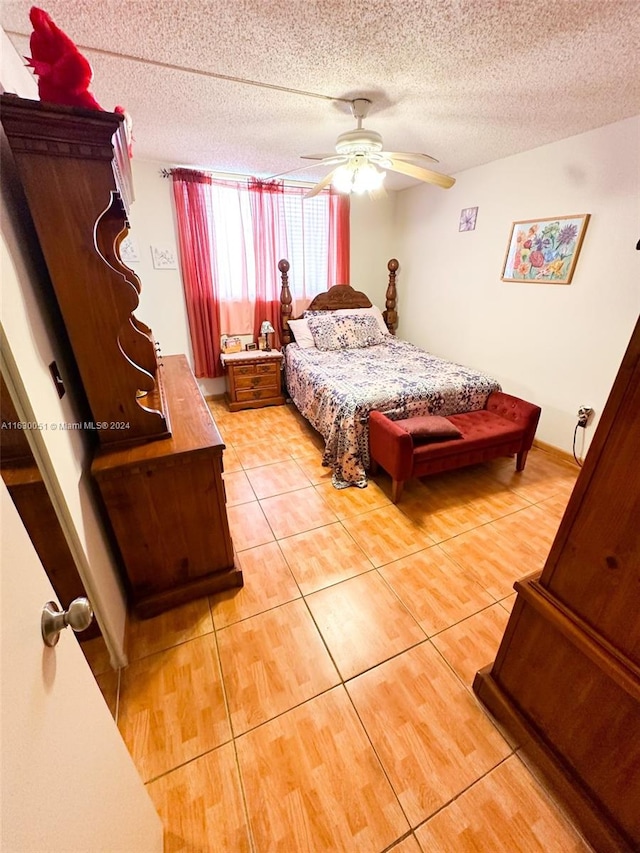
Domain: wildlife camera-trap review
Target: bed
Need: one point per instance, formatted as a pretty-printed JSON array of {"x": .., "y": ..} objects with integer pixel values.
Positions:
[{"x": 340, "y": 365}]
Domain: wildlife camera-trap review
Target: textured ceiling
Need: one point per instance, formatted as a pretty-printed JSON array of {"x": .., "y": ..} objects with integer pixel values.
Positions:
[{"x": 467, "y": 81}]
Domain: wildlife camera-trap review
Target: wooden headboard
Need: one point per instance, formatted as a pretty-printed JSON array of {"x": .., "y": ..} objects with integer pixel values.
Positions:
[{"x": 338, "y": 296}]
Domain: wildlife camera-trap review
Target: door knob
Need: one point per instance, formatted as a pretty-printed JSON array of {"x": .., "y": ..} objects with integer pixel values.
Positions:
[{"x": 54, "y": 620}]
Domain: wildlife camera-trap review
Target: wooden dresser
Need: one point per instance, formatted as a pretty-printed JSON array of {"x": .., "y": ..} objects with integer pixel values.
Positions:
[
  {"x": 253, "y": 379},
  {"x": 161, "y": 480},
  {"x": 166, "y": 503},
  {"x": 566, "y": 680}
]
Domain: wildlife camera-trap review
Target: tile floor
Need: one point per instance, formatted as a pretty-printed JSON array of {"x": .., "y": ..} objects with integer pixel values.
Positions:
[{"x": 327, "y": 705}]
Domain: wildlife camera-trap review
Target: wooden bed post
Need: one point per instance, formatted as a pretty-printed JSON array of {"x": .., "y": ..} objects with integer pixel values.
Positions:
[
  {"x": 391, "y": 315},
  {"x": 285, "y": 302}
]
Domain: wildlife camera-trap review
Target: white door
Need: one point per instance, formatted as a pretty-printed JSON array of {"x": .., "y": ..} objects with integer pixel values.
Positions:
[{"x": 68, "y": 781}]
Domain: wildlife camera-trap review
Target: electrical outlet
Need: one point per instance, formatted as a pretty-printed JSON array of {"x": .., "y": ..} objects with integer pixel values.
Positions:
[{"x": 584, "y": 414}]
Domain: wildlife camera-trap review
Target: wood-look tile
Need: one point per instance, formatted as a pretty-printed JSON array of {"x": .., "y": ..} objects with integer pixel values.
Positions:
[
  {"x": 108, "y": 684},
  {"x": 272, "y": 662},
  {"x": 295, "y": 512},
  {"x": 261, "y": 452},
  {"x": 268, "y": 582},
  {"x": 533, "y": 526},
  {"x": 386, "y": 534},
  {"x": 508, "y": 602},
  {"x": 441, "y": 524},
  {"x": 472, "y": 644},
  {"x": 505, "y": 812},
  {"x": 217, "y": 406},
  {"x": 172, "y": 707},
  {"x": 555, "y": 506},
  {"x": 492, "y": 501},
  {"x": 276, "y": 479},
  {"x": 97, "y": 654},
  {"x": 201, "y": 806},
  {"x": 348, "y": 502},
  {"x": 543, "y": 477},
  {"x": 248, "y": 526},
  {"x": 451, "y": 488},
  {"x": 313, "y": 782},
  {"x": 230, "y": 460},
  {"x": 312, "y": 466},
  {"x": 363, "y": 623},
  {"x": 434, "y": 588},
  {"x": 178, "y": 625},
  {"x": 494, "y": 560},
  {"x": 431, "y": 735},
  {"x": 321, "y": 557},
  {"x": 305, "y": 445},
  {"x": 407, "y": 845},
  {"x": 238, "y": 488}
]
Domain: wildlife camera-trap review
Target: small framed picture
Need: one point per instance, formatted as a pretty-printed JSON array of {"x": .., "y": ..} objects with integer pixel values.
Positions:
[
  {"x": 468, "y": 217},
  {"x": 249, "y": 347},
  {"x": 164, "y": 258},
  {"x": 262, "y": 342}
]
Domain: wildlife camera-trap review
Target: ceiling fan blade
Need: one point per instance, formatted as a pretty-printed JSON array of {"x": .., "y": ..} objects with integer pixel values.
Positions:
[
  {"x": 320, "y": 185},
  {"x": 440, "y": 180},
  {"x": 309, "y": 166},
  {"x": 317, "y": 156},
  {"x": 408, "y": 156}
]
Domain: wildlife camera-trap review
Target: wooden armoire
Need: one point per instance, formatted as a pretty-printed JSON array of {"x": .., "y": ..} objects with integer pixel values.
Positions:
[
  {"x": 566, "y": 680},
  {"x": 158, "y": 462}
]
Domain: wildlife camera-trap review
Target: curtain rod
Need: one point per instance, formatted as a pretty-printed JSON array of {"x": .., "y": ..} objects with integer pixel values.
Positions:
[{"x": 167, "y": 172}]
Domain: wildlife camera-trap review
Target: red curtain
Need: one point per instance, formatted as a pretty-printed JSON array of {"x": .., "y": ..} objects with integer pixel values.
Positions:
[
  {"x": 194, "y": 240},
  {"x": 270, "y": 244},
  {"x": 339, "y": 237}
]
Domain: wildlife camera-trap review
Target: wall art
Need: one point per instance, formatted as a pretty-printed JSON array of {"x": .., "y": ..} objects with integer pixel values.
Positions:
[
  {"x": 545, "y": 250},
  {"x": 164, "y": 258}
]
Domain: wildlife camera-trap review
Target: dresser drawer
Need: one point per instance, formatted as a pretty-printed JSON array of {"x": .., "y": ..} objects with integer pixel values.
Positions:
[
  {"x": 256, "y": 370},
  {"x": 256, "y": 394},
  {"x": 256, "y": 382}
]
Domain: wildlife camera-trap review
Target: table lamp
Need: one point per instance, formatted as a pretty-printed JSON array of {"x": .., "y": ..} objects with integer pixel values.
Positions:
[{"x": 266, "y": 329}]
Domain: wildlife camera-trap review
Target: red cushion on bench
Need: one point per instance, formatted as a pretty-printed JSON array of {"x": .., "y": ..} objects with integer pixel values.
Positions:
[
  {"x": 429, "y": 428},
  {"x": 478, "y": 429}
]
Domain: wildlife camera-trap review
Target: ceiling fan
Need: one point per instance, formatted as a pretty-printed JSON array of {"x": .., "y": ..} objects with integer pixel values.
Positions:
[{"x": 359, "y": 161}]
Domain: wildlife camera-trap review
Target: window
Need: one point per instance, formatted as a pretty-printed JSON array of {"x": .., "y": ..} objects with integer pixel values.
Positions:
[{"x": 232, "y": 235}]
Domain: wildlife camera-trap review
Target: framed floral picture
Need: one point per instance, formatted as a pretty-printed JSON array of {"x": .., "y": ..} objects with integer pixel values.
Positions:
[{"x": 545, "y": 250}]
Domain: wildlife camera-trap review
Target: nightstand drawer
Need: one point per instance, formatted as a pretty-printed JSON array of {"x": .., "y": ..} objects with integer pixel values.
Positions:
[
  {"x": 268, "y": 380},
  {"x": 256, "y": 369},
  {"x": 256, "y": 394}
]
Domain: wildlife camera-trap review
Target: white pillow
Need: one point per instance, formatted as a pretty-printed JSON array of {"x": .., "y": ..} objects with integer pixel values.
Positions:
[
  {"x": 374, "y": 311},
  {"x": 302, "y": 334}
]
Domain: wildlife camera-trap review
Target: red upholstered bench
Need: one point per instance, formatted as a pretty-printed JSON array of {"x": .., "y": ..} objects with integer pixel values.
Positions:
[{"x": 505, "y": 426}]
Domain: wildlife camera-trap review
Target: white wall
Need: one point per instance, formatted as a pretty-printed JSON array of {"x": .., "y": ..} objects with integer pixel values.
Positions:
[
  {"x": 557, "y": 345},
  {"x": 373, "y": 244},
  {"x": 32, "y": 344}
]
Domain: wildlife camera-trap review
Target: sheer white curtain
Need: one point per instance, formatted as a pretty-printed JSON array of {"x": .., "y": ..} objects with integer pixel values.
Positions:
[{"x": 252, "y": 225}]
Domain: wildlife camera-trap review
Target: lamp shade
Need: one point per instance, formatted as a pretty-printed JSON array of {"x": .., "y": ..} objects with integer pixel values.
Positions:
[{"x": 266, "y": 328}]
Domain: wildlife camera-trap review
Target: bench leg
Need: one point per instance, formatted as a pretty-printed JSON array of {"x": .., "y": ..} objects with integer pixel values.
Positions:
[
  {"x": 396, "y": 490},
  {"x": 521, "y": 459}
]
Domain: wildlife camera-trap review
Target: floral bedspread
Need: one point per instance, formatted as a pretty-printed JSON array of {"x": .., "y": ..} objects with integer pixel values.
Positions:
[{"x": 336, "y": 390}]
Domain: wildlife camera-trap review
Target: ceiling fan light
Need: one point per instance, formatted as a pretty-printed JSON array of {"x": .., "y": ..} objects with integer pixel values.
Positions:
[
  {"x": 367, "y": 179},
  {"x": 358, "y": 177},
  {"x": 343, "y": 179}
]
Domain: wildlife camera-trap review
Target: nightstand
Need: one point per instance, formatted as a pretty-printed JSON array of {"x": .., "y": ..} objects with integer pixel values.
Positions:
[{"x": 253, "y": 379}]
